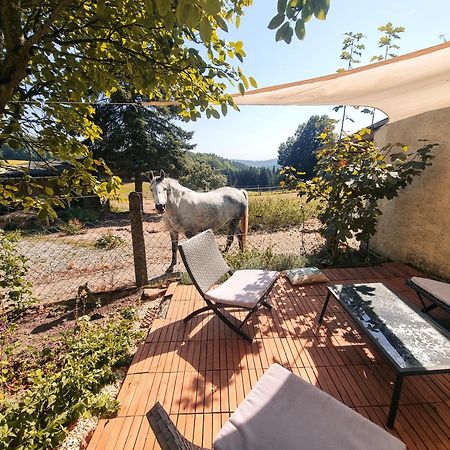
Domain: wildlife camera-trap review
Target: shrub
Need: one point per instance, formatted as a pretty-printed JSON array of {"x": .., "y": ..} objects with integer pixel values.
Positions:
[
  {"x": 15, "y": 289},
  {"x": 352, "y": 175},
  {"x": 265, "y": 259},
  {"x": 72, "y": 227},
  {"x": 108, "y": 241},
  {"x": 66, "y": 384}
]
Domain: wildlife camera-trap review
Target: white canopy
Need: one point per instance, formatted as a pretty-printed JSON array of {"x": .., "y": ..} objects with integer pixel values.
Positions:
[{"x": 401, "y": 87}]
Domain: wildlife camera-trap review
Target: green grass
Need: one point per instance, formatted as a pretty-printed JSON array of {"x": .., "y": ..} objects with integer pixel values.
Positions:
[
  {"x": 121, "y": 204},
  {"x": 272, "y": 211}
]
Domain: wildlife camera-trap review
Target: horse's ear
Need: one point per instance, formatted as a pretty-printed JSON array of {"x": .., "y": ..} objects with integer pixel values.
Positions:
[
  {"x": 151, "y": 175},
  {"x": 162, "y": 174}
]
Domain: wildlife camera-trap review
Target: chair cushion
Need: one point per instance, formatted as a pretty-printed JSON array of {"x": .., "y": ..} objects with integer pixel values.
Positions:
[
  {"x": 284, "y": 412},
  {"x": 437, "y": 289},
  {"x": 244, "y": 288}
]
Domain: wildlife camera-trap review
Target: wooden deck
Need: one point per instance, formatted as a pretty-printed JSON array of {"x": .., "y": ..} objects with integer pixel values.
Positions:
[{"x": 200, "y": 372}]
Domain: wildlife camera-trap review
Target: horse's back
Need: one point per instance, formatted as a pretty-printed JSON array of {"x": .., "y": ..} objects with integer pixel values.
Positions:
[{"x": 202, "y": 210}]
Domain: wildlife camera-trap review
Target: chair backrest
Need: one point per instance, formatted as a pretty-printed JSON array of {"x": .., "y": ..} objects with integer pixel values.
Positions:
[{"x": 203, "y": 260}]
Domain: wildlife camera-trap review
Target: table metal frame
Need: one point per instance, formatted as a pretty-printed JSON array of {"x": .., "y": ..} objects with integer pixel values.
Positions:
[{"x": 400, "y": 372}]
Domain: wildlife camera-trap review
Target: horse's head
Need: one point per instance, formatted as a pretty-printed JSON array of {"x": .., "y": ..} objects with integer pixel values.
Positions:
[{"x": 159, "y": 188}]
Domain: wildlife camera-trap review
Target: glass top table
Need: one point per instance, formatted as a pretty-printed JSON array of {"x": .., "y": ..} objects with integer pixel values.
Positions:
[{"x": 411, "y": 342}]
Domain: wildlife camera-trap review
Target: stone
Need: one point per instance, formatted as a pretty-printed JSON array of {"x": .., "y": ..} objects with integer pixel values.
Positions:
[{"x": 152, "y": 293}]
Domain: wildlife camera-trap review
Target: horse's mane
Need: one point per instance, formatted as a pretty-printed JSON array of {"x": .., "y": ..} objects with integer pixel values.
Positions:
[{"x": 175, "y": 184}]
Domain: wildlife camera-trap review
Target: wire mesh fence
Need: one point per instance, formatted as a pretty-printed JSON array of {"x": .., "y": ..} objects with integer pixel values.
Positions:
[{"x": 63, "y": 258}]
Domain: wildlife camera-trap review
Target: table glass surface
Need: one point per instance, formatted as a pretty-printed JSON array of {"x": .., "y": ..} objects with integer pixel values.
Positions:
[{"x": 409, "y": 339}]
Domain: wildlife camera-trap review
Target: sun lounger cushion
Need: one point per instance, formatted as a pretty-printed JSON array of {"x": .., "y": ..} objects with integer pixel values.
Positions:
[
  {"x": 244, "y": 288},
  {"x": 438, "y": 289},
  {"x": 284, "y": 412}
]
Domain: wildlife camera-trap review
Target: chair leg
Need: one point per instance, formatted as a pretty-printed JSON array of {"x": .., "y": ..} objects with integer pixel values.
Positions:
[
  {"x": 233, "y": 326},
  {"x": 196, "y": 312},
  {"x": 267, "y": 305}
]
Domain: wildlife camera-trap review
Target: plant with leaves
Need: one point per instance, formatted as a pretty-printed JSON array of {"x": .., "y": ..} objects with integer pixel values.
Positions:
[
  {"x": 201, "y": 176},
  {"x": 387, "y": 41},
  {"x": 352, "y": 49},
  {"x": 299, "y": 151},
  {"x": 15, "y": 289},
  {"x": 292, "y": 16},
  {"x": 137, "y": 139},
  {"x": 353, "y": 175}
]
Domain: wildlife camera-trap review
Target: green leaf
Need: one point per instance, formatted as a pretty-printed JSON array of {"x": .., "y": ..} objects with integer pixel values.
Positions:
[
  {"x": 215, "y": 114},
  {"x": 321, "y": 8},
  {"x": 221, "y": 23},
  {"x": 253, "y": 82},
  {"x": 212, "y": 7},
  {"x": 224, "y": 109},
  {"x": 163, "y": 6},
  {"x": 281, "y": 6},
  {"x": 300, "y": 29},
  {"x": 205, "y": 30},
  {"x": 241, "y": 88},
  {"x": 276, "y": 22},
  {"x": 279, "y": 36}
]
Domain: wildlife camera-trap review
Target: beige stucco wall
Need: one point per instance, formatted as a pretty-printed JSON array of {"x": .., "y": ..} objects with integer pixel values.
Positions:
[{"x": 415, "y": 226}]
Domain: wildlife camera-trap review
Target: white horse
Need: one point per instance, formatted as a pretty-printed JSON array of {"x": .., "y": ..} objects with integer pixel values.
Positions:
[{"x": 190, "y": 212}]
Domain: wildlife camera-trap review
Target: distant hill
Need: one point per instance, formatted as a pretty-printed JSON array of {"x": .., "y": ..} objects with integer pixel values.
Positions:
[{"x": 266, "y": 163}]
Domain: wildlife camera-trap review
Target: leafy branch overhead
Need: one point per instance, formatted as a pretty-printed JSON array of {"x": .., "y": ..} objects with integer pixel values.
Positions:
[{"x": 292, "y": 15}]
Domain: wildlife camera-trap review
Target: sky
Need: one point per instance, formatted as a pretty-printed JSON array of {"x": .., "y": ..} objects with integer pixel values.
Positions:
[{"x": 256, "y": 132}]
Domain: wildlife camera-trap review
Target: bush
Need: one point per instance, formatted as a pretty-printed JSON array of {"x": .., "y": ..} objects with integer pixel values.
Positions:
[
  {"x": 66, "y": 384},
  {"x": 15, "y": 290},
  {"x": 72, "y": 227},
  {"x": 108, "y": 241},
  {"x": 266, "y": 259},
  {"x": 352, "y": 176}
]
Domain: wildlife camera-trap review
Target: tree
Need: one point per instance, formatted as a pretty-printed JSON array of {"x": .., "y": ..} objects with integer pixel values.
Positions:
[
  {"x": 59, "y": 56},
  {"x": 203, "y": 177},
  {"x": 136, "y": 140},
  {"x": 299, "y": 151}
]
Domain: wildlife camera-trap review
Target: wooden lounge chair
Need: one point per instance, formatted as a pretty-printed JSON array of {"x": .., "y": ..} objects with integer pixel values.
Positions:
[
  {"x": 284, "y": 412},
  {"x": 437, "y": 292},
  {"x": 244, "y": 290}
]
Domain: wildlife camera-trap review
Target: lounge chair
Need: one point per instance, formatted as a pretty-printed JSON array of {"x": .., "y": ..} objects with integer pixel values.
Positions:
[
  {"x": 437, "y": 292},
  {"x": 284, "y": 412},
  {"x": 244, "y": 290}
]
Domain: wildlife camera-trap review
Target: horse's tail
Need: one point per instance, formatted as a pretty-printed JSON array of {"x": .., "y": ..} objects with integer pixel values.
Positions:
[{"x": 244, "y": 221}]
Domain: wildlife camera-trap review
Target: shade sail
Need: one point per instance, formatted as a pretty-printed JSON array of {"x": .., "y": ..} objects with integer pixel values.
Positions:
[{"x": 400, "y": 87}]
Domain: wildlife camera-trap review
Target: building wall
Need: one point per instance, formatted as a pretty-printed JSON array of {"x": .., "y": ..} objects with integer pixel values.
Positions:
[{"x": 415, "y": 226}]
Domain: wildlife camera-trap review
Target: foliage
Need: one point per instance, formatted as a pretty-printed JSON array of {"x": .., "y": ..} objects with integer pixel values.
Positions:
[
  {"x": 217, "y": 172},
  {"x": 387, "y": 41},
  {"x": 15, "y": 289},
  {"x": 266, "y": 259},
  {"x": 202, "y": 176},
  {"x": 87, "y": 216},
  {"x": 59, "y": 56},
  {"x": 136, "y": 140},
  {"x": 299, "y": 151},
  {"x": 108, "y": 241},
  {"x": 292, "y": 16},
  {"x": 72, "y": 227},
  {"x": 353, "y": 174},
  {"x": 271, "y": 212},
  {"x": 65, "y": 384}
]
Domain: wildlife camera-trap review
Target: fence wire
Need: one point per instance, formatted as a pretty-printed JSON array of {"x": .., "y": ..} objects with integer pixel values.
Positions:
[{"x": 101, "y": 255}]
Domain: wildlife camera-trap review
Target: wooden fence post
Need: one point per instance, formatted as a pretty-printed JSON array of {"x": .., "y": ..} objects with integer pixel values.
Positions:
[{"x": 137, "y": 236}]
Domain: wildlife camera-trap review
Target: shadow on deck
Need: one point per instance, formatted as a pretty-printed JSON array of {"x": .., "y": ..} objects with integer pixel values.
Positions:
[{"x": 200, "y": 372}]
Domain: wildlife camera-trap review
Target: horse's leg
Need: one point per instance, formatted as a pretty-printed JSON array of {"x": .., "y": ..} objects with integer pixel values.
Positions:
[
  {"x": 240, "y": 236},
  {"x": 231, "y": 232},
  {"x": 174, "y": 239}
]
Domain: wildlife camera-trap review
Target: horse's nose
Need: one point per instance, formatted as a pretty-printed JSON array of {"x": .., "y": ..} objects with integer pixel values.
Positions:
[{"x": 160, "y": 207}]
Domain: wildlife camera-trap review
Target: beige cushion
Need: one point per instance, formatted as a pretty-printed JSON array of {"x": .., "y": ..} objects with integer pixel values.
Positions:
[
  {"x": 283, "y": 412},
  {"x": 438, "y": 289},
  {"x": 244, "y": 288}
]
